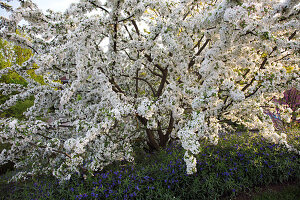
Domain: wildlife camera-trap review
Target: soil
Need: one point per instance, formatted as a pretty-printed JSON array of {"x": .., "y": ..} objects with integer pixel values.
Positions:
[{"x": 259, "y": 190}]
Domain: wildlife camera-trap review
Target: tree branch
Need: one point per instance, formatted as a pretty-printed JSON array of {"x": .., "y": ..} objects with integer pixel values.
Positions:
[
  {"x": 282, "y": 57},
  {"x": 192, "y": 62},
  {"x": 185, "y": 16},
  {"x": 152, "y": 143},
  {"x": 126, "y": 18},
  {"x": 198, "y": 43},
  {"x": 129, "y": 56},
  {"x": 139, "y": 78},
  {"x": 116, "y": 87},
  {"x": 128, "y": 32},
  {"x": 171, "y": 123},
  {"x": 136, "y": 27},
  {"x": 44, "y": 136},
  {"x": 162, "y": 82},
  {"x": 156, "y": 65},
  {"x": 293, "y": 35},
  {"x": 137, "y": 83},
  {"x": 249, "y": 95},
  {"x": 98, "y": 6},
  {"x": 44, "y": 147}
]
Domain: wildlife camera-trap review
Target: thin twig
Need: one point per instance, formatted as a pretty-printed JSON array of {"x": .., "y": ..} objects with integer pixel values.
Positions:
[
  {"x": 192, "y": 61},
  {"x": 98, "y": 6},
  {"x": 44, "y": 147},
  {"x": 126, "y": 18},
  {"x": 136, "y": 27},
  {"x": 185, "y": 16}
]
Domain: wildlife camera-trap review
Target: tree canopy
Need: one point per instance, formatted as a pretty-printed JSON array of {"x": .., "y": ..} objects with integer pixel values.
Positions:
[{"x": 149, "y": 71}]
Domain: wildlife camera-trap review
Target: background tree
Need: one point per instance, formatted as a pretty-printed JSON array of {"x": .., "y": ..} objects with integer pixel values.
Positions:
[{"x": 171, "y": 69}]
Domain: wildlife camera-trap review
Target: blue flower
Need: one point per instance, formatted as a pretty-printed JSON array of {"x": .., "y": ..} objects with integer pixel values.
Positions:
[
  {"x": 137, "y": 187},
  {"x": 226, "y": 173}
]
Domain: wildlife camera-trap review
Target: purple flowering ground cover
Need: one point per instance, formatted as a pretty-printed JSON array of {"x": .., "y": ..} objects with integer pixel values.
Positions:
[{"x": 238, "y": 163}]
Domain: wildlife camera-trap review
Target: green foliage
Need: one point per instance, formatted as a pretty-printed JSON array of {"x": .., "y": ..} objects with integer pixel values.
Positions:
[
  {"x": 17, "y": 110},
  {"x": 236, "y": 126},
  {"x": 11, "y": 54}
]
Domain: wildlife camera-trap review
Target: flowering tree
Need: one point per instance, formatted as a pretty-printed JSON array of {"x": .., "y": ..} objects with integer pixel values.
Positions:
[{"x": 145, "y": 69}]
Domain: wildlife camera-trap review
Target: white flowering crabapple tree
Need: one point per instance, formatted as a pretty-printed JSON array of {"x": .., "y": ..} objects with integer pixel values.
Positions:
[{"x": 145, "y": 69}]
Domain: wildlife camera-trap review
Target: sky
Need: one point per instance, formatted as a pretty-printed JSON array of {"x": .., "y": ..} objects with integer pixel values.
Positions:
[{"x": 56, "y": 5}]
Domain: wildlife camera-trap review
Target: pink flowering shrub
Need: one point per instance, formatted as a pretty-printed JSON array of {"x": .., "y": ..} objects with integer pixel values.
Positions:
[{"x": 291, "y": 100}]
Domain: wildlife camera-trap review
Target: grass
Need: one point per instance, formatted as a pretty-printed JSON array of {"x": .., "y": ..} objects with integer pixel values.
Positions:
[{"x": 238, "y": 164}]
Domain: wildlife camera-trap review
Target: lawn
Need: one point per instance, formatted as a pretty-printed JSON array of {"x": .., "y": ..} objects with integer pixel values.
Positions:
[{"x": 241, "y": 166}]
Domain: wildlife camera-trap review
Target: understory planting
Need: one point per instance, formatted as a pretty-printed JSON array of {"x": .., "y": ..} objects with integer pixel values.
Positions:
[{"x": 239, "y": 163}]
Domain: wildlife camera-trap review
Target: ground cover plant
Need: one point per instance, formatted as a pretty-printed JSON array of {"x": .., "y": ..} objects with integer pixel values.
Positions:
[{"x": 237, "y": 164}]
